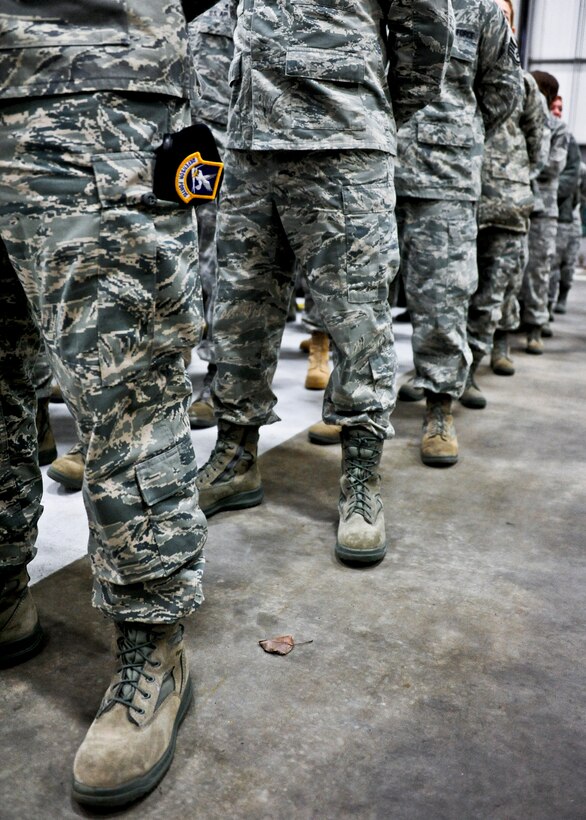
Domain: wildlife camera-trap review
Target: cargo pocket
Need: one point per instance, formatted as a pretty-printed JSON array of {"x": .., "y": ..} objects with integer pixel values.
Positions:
[
  {"x": 167, "y": 486},
  {"x": 368, "y": 216}
]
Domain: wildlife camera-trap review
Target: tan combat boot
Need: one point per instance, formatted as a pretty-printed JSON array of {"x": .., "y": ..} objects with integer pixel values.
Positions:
[
  {"x": 318, "y": 368},
  {"x": 45, "y": 437},
  {"x": 322, "y": 433},
  {"x": 304, "y": 345},
  {"x": 69, "y": 469},
  {"x": 21, "y": 635},
  {"x": 534, "y": 342},
  {"x": 439, "y": 445},
  {"x": 131, "y": 743},
  {"x": 230, "y": 479},
  {"x": 500, "y": 357},
  {"x": 361, "y": 529}
]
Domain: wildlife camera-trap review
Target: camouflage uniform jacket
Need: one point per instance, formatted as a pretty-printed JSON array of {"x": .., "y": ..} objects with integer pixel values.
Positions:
[
  {"x": 512, "y": 158},
  {"x": 545, "y": 187},
  {"x": 440, "y": 149},
  {"x": 568, "y": 190},
  {"x": 62, "y": 47},
  {"x": 313, "y": 75},
  {"x": 212, "y": 48}
]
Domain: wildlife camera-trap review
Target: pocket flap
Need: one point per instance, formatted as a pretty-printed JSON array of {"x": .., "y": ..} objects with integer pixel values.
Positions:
[
  {"x": 160, "y": 476},
  {"x": 324, "y": 64},
  {"x": 445, "y": 133}
]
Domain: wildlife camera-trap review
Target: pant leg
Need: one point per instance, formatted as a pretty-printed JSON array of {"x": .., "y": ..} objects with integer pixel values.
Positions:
[
  {"x": 499, "y": 254},
  {"x": 570, "y": 258},
  {"x": 255, "y": 282},
  {"x": 437, "y": 240},
  {"x": 111, "y": 278},
  {"x": 535, "y": 290},
  {"x": 21, "y": 485},
  {"x": 511, "y": 311},
  {"x": 337, "y": 209}
]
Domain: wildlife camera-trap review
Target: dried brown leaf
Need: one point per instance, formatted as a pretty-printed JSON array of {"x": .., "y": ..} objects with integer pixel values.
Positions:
[{"x": 278, "y": 646}]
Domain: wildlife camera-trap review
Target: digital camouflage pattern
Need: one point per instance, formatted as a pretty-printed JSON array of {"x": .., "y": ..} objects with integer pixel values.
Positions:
[
  {"x": 111, "y": 276},
  {"x": 569, "y": 183},
  {"x": 440, "y": 148},
  {"x": 566, "y": 256},
  {"x": 334, "y": 211},
  {"x": 63, "y": 47},
  {"x": 543, "y": 229},
  {"x": 512, "y": 158},
  {"x": 438, "y": 183},
  {"x": 313, "y": 77},
  {"x": 212, "y": 47},
  {"x": 535, "y": 289},
  {"x": 545, "y": 187},
  {"x": 438, "y": 264},
  {"x": 21, "y": 485},
  {"x": 502, "y": 256},
  {"x": 308, "y": 74}
]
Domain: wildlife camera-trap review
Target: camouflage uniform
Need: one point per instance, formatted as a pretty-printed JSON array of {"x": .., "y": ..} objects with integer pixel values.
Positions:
[
  {"x": 569, "y": 228},
  {"x": 212, "y": 47},
  {"x": 512, "y": 158},
  {"x": 543, "y": 228},
  {"x": 110, "y": 279},
  {"x": 438, "y": 184},
  {"x": 309, "y": 171}
]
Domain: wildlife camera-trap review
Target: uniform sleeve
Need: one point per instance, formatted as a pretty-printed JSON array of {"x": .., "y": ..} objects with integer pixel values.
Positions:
[
  {"x": 570, "y": 176},
  {"x": 420, "y": 36},
  {"x": 533, "y": 122},
  {"x": 499, "y": 80},
  {"x": 558, "y": 154}
]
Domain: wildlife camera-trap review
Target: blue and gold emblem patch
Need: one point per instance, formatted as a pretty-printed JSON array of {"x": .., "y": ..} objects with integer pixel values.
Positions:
[
  {"x": 197, "y": 178},
  {"x": 188, "y": 168}
]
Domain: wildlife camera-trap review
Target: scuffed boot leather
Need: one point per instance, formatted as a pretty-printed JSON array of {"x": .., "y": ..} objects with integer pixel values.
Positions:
[{"x": 131, "y": 743}]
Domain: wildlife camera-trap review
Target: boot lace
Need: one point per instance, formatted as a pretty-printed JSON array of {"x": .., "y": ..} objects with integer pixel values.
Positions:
[
  {"x": 134, "y": 649},
  {"x": 437, "y": 422},
  {"x": 360, "y": 464}
]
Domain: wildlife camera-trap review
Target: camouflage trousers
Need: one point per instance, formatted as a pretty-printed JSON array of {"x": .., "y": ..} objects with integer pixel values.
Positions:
[
  {"x": 566, "y": 255},
  {"x": 437, "y": 239},
  {"x": 110, "y": 277},
  {"x": 502, "y": 256},
  {"x": 43, "y": 375},
  {"x": 333, "y": 212},
  {"x": 535, "y": 290}
]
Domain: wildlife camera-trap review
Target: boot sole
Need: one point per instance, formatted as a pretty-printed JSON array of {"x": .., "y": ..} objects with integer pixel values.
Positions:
[
  {"x": 439, "y": 461},
  {"x": 360, "y": 556},
  {"x": 68, "y": 482},
  {"x": 499, "y": 371},
  {"x": 140, "y": 786},
  {"x": 15, "y": 652},
  {"x": 241, "y": 501}
]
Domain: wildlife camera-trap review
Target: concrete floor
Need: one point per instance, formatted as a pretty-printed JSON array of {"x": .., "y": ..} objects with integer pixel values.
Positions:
[{"x": 447, "y": 682}]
